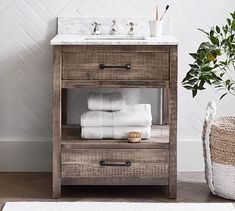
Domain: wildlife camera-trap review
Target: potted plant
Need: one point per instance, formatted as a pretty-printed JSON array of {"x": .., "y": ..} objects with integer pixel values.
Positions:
[
  {"x": 214, "y": 61},
  {"x": 214, "y": 64}
]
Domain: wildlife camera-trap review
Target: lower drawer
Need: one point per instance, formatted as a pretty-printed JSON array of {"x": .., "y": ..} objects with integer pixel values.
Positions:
[{"x": 114, "y": 163}]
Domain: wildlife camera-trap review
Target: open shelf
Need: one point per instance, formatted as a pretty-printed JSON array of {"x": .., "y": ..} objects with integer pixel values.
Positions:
[{"x": 71, "y": 139}]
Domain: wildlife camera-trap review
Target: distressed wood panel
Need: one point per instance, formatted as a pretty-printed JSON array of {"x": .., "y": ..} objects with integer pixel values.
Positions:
[
  {"x": 84, "y": 63},
  {"x": 145, "y": 163}
]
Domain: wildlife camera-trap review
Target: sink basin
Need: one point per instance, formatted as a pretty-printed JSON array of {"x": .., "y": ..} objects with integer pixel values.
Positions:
[{"x": 114, "y": 37}]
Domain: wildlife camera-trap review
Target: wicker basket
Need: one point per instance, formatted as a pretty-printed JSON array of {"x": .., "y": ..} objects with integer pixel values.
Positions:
[{"x": 219, "y": 153}]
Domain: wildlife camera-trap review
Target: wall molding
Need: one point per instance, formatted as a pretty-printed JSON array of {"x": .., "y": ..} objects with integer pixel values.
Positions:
[{"x": 35, "y": 155}]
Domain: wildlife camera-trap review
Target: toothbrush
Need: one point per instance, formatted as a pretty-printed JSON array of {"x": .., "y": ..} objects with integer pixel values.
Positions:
[
  {"x": 167, "y": 7},
  {"x": 157, "y": 16}
]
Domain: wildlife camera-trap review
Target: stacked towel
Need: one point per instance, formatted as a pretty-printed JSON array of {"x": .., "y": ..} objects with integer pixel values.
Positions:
[
  {"x": 116, "y": 119},
  {"x": 106, "y": 102}
]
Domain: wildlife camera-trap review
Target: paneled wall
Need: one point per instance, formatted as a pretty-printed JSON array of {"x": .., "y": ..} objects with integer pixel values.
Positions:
[{"x": 26, "y": 72}]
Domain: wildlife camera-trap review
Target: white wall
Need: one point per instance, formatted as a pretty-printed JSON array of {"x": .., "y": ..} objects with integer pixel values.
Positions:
[{"x": 26, "y": 73}]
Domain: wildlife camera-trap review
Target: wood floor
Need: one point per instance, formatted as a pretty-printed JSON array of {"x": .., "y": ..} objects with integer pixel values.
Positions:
[{"x": 37, "y": 187}]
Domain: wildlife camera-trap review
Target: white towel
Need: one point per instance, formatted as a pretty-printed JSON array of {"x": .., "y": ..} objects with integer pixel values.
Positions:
[
  {"x": 132, "y": 115},
  {"x": 106, "y": 101},
  {"x": 113, "y": 132}
]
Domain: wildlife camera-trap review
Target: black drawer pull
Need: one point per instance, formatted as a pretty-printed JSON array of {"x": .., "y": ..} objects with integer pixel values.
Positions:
[
  {"x": 105, "y": 163},
  {"x": 126, "y": 66}
]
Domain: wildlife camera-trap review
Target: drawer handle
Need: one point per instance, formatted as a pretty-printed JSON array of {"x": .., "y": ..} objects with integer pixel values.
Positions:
[
  {"x": 126, "y": 66},
  {"x": 105, "y": 163}
]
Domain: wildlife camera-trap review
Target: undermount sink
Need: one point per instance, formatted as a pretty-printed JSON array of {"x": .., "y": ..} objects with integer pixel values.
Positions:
[{"x": 114, "y": 37}]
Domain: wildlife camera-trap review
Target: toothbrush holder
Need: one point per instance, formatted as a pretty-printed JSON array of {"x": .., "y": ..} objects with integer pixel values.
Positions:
[{"x": 156, "y": 28}]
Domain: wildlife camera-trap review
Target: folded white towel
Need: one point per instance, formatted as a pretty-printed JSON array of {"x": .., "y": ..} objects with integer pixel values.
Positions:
[
  {"x": 106, "y": 101},
  {"x": 113, "y": 132},
  {"x": 131, "y": 115}
]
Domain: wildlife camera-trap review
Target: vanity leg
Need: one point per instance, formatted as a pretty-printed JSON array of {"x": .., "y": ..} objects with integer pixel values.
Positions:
[
  {"x": 57, "y": 122},
  {"x": 172, "y": 183}
]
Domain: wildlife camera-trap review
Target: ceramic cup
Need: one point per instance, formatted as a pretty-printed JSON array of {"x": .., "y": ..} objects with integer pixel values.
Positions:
[{"x": 156, "y": 28}]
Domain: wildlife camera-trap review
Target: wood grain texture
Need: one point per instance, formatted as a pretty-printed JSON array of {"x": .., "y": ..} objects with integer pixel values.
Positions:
[
  {"x": 111, "y": 181},
  {"x": 154, "y": 160},
  {"x": 85, "y": 65},
  {"x": 71, "y": 138},
  {"x": 57, "y": 122},
  {"x": 173, "y": 123},
  {"x": 144, "y": 163},
  {"x": 114, "y": 84},
  {"x": 120, "y": 48}
]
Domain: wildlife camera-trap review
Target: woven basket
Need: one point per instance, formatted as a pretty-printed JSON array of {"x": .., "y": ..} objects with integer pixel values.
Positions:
[{"x": 219, "y": 153}]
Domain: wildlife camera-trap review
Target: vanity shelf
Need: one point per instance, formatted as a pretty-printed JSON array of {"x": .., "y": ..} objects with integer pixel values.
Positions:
[
  {"x": 71, "y": 139},
  {"x": 151, "y": 63}
]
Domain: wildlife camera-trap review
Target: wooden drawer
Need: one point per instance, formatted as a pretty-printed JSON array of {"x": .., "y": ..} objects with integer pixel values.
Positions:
[
  {"x": 116, "y": 163},
  {"x": 83, "y": 63}
]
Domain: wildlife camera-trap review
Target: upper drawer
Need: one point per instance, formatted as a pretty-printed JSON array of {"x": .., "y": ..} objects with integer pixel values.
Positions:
[{"x": 120, "y": 63}]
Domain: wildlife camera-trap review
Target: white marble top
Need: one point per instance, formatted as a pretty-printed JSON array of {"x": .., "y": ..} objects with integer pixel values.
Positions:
[{"x": 71, "y": 39}]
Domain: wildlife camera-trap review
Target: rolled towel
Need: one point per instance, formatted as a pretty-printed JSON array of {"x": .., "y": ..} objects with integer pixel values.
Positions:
[
  {"x": 113, "y": 132},
  {"x": 106, "y": 101},
  {"x": 131, "y": 115}
]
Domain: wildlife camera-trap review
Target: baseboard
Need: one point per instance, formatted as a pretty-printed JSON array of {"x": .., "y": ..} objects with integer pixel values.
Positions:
[{"x": 35, "y": 155}]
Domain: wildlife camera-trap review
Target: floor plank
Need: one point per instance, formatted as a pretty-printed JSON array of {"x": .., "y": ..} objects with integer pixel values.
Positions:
[{"x": 37, "y": 187}]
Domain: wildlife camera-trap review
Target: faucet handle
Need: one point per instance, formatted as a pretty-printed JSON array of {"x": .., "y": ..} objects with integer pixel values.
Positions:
[
  {"x": 132, "y": 24},
  {"x": 96, "y": 28},
  {"x": 95, "y": 24},
  {"x": 131, "y": 30}
]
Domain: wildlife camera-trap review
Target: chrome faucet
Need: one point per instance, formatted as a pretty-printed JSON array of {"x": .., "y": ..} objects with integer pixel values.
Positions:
[
  {"x": 96, "y": 28},
  {"x": 114, "y": 28},
  {"x": 131, "y": 30}
]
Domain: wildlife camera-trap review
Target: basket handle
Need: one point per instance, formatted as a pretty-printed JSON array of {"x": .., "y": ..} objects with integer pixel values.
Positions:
[
  {"x": 210, "y": 111},
  {"x": 210, "y": 114}
]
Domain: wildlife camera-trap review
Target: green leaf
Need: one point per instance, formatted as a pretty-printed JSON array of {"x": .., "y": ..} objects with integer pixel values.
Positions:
[
  {"x": 227, "y": 82},
  {"x": 202, "y": 30},
  {"x": 233, "y": 25},
  {"x": 194, "y": 92},
  {"x": 214, "y": 40},
  {"x": 212, "y": 32},
  {"x": 194, "y": 66},
  {"x": 229, "y": 21},
  {"x": 217, "y": 29},
  {"x": 233, "y": 15},
  {"x": 218, "y": 52},
  {"x": 206, "y": 69},
  {"x": 188, "y": 87},
  {"x": 194, "y": 55},
  {"x": 201, "y": 85}
]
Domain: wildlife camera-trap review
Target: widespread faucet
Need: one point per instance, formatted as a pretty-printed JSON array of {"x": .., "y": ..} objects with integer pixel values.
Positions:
[
  {"x": 96, "y": 28},
  {"x": 114, "y": 28},
  {"x": 131, "y": 30}
]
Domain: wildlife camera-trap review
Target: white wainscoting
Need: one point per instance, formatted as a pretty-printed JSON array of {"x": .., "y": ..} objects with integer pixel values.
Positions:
[{"x": 36, "y": 155}]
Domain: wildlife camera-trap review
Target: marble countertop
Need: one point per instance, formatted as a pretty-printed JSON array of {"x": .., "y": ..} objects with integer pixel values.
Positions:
[{"x": 68, "y": 39}]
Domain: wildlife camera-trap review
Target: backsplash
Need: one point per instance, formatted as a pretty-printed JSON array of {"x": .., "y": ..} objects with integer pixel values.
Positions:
[{"x": 82, "y": 26}]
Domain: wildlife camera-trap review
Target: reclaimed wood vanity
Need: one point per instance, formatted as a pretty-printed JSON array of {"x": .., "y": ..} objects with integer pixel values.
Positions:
[{"x": 150, "y": 63}]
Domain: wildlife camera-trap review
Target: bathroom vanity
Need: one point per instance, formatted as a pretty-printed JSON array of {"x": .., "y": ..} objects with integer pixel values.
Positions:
[{"x": 81, "y": 62}]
